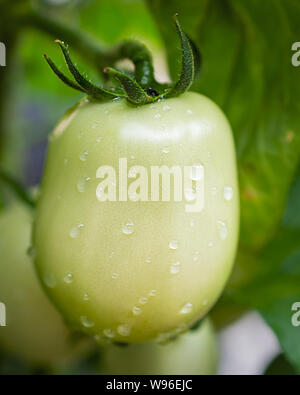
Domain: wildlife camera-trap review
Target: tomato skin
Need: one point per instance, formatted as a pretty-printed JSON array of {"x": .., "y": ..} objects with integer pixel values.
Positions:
[
  {"x": 194, "y": 352},
  {"x": 35, "y": 332},
  {"x": 102, "y": 279}
]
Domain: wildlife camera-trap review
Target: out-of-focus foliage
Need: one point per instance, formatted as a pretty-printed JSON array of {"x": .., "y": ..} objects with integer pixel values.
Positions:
[
  {"x": 280, "y": 366},
  {"x": 247, "y": 70}
]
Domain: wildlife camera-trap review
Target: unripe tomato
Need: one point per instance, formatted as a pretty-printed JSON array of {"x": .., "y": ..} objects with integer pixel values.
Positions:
[
  {"x": 130, "y": 269},
  {"x": 34, "y": 332},
  {"x": 194, "y": 352}
]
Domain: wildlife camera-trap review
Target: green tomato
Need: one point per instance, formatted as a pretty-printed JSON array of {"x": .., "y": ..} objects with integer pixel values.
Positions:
[
  {"x": 34, "y": 332},
  {"x": 194, "y": 352},
  {"x": 130, "y": 269}
]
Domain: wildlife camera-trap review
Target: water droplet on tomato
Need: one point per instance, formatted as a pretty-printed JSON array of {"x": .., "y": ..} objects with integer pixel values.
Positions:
[
  {"x": 189, "y": 194},
  {"x": 82, "y": 183},
  {"x": 196, "y": 172},
  {"x": 128, "y": 228},
  {"x": 175, "y": 268},
  {"x": 173, "y": 245},
  {"x": 49, "y": 280},
  {"x": 124, "y": 330},
  {"x": 74, "y": 232},
  {"x": 83, "y": 156},
  {"x": 187, "y": 308},
  {"x": 68, "y": 279},
  {"x": 31, "y": 252},
  {"x": 222, "y": 229},
  {"x": 109, "y": 333},
  {"x": 143, "y": 300},
  {"x": 86, "y": 322},
  {"x": 136, "y": 310},
  {"x": 228, "y": 193}
]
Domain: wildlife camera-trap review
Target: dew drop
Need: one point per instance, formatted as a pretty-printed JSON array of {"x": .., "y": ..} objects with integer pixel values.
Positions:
[
  {"x": 99, "y": 139},
  {"x": 83, "y": 156},
  {"x": 115, "y": 275},
  {"x": 124, "y": 330},
  {"x": 162, "y": 338},
  {"x": 187, "y": 308},
  {"x": 173, "y": 245},
  {"x": 196, "y": 256},
  {"x": 136, "y": 310},
  {"x": 82, "y": 183},
  {"x": 189, "y": 194},
  {"x": 166, "y": 108},
  {"x": 189, "y": 112},
  {"x": 128, "y": 228},
  {"x": 74, "y": 232},
  {"x": 49, "y": 281},
  {"x": 165, "y": 150},
  {"x": 106, "y": 112},
  {"x": 68, "y": 278},
  {"x": 101, "y": 340},
  {"x": 143, "y": 300},
  {"x": 111, "y": 255},
  {"x": 175, "y": 268},
  {"x": 205, "y": 301},
  {"x": 86, "y": 297},
  {"x": 192, "y": 223},
  {"x": 210, "y": 244},
  {"x": 109, "y": 333},
  {"x": 196, "y": 172},
  {"x": 95, "y": 125},
  {"x": 87, "y": 323},
  {"x": 80, "y": 134},
  {"x": 65, "y": 161},
  {"x": 31, "y": 252},
  {"x": 222, "y": 229},
  {"x": 228, "y": 193},
  {"x": 153, "y": 292},
  {"x": 148, "y": 260},
  {"x": 157, "y": 116}
]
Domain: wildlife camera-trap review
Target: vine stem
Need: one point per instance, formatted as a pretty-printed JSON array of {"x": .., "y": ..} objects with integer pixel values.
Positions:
[{"x": 90, "y": 47}]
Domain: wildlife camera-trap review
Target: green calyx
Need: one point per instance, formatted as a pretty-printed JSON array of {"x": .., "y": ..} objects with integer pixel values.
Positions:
[{"x": 141, "y": 87}]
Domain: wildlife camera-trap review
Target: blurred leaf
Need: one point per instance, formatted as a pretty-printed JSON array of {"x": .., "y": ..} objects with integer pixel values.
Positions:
[
  {"x": 276, "y": 290},
  {"x": 291, "y": 217},
  {"x": 114, "y": 20},
  {"x": 280, "y": 366}
]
